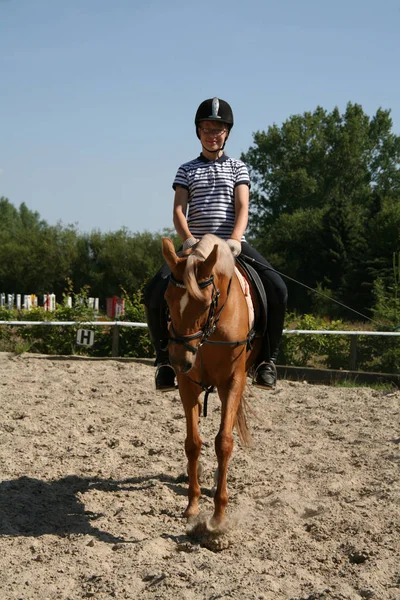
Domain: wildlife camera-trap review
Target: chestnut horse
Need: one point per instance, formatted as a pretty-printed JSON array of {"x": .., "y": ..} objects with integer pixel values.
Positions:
[{"x": 209, "y": 347}]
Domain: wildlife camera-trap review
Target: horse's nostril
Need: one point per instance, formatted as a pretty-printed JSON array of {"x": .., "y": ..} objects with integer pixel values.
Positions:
[{"x": 182, "y": 366}]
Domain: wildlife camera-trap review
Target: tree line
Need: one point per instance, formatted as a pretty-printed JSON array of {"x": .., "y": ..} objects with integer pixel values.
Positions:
[
  {"x": 325, "y": 211},
  {"x": 36, "y": 257},
  {"x": 326, "y": 205}
]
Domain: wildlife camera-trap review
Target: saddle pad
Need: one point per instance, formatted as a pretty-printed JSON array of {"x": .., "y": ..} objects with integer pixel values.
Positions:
[{"x": 246, "y": 291}]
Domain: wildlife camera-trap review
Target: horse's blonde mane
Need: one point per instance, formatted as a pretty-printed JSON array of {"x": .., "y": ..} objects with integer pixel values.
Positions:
[{"x": 224, "y": 266}]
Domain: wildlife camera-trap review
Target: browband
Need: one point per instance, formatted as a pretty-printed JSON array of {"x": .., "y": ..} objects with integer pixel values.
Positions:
[{"x": 201, "y": 284}]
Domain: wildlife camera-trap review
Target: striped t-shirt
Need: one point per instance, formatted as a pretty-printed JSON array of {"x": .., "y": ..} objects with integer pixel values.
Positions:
[{"x": 211, "y": 186}]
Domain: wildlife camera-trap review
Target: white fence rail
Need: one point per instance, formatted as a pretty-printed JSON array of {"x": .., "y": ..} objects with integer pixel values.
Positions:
[
  {"x": 80, "y": 323},
  {"x": 117, "y": 324},
  {"x": 337, "y": 332},
  {"x": 135, "y": 324}
]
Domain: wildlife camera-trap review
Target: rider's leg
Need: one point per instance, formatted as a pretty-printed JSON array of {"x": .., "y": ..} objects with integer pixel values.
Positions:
[
  {"x": 156, "y": 316},
  {"x": 158, "y": 334},
  {"x": 276, "y": 293}
]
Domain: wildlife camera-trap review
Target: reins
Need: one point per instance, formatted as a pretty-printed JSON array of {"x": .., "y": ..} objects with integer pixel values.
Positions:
[{"x": 251, "y": 260}]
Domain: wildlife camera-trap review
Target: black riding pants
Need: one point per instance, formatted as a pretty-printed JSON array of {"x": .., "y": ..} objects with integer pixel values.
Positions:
[{"x": 276, "y": 292}]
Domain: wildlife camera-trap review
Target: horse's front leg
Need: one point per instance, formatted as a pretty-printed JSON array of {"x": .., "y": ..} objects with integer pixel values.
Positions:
[
  {"x": 230, "y": 395},
  {"x": 189, "y": 393}
]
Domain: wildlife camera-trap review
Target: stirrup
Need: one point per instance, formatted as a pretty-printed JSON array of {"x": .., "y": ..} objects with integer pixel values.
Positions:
[
  {"x": 169, "y": 384},
  {"x": 273, "y": 373}
]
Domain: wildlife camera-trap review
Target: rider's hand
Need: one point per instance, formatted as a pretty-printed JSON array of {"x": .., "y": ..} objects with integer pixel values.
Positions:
[
  {"x": 191, "y": 241},
  {"x": 235, "y": 246}
]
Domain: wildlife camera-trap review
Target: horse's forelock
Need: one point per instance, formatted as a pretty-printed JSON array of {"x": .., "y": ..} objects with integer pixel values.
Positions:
[
  {"x": 189, "y": 277},
  {"x": 224, "y": 266}
]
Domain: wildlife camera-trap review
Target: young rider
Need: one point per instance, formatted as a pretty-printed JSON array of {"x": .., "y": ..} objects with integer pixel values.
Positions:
[{"x": 212, "y": 196}]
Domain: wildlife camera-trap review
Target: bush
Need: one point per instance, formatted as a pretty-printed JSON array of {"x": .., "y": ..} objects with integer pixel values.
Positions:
[
  {"x": 374, "y": 353},
  {"x": 135, "y": 341},
  {"x": 385, "y": 351},
  {"x": 61, "y": 340},
  {"x": 330, "y": 351}
]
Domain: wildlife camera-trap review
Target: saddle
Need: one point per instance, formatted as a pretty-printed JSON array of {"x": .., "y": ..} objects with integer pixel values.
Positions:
[{"x": 257, "y": 294}]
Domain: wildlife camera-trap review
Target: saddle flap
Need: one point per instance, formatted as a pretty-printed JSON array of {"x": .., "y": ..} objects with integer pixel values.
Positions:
[{"x": 258, "y": 295}]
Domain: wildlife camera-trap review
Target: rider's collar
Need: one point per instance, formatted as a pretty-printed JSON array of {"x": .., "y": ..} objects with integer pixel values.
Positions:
[{"x": 221, "y": 159}]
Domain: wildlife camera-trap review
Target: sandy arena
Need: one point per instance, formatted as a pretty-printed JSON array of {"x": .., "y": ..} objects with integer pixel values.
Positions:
[{"x": 93, "y": 486}]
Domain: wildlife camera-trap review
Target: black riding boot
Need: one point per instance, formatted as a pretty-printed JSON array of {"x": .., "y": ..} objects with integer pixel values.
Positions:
[
  {"x": 157, "y": 324},
  {"x": 265, "y": 372}
]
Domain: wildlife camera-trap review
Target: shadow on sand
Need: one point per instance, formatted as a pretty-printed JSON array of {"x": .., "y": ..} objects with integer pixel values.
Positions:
[{"x": 31, "y": 507}]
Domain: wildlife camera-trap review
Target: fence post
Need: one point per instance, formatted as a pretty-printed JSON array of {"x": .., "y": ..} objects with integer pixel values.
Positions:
[
  {"x": 115, "y": 341},
  {"x": 353, "y": 353}
]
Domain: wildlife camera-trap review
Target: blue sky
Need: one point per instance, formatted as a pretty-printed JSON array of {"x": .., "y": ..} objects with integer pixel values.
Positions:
[{"x": 98, "y": 97}]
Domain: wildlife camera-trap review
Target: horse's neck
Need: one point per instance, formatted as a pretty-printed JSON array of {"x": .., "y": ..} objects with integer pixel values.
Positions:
[{"x": 232, "y": 299}]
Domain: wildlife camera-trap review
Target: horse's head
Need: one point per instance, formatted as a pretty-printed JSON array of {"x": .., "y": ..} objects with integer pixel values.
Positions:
[{"x": 190, "y": 296}]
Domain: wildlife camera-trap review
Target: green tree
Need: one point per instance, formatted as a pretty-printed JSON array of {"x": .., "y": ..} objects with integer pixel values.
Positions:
[
  {"x": 316, "y": 156},
  {"x": 111, "y": 261},
  {"x": 38, "y": 258},
  {"x": 333, "y": 176},
  {"x": 34, "y": 257}
]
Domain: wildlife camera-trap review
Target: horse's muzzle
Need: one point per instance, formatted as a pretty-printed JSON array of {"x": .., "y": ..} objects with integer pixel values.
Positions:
[{"x": 181, "y": 365}]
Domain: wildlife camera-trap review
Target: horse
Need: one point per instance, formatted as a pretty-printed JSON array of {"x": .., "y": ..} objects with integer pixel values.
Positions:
[{"x": 209, "y": 347}]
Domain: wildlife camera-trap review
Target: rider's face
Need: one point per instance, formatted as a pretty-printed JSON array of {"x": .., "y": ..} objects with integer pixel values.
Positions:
[{"x": 212, "y": 134}]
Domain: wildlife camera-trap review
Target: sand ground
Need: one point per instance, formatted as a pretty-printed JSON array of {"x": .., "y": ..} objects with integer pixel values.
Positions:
[{"x": 93, "y": 486}]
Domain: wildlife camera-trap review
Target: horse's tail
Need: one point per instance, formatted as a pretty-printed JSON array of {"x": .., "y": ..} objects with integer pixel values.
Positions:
[{"x": 242, "y": 426}]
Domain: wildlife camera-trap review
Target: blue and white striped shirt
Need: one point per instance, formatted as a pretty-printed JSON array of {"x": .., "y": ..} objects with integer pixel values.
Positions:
[{"x": 211, "y": 186}]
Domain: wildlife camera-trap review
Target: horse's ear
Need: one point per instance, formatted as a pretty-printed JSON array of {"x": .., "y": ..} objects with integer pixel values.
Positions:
[
  {"x": 205, "y": 268},
  {"x": 169, "y": 253}
]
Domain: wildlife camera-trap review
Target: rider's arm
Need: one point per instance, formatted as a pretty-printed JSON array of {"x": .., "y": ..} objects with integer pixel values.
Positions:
[
  {"x": 179, "y": 214},
  {"x": 241, "y": 211}
]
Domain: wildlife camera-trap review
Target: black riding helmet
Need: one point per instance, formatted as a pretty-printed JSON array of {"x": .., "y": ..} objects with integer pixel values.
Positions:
[{"x": 214, "y": 109}]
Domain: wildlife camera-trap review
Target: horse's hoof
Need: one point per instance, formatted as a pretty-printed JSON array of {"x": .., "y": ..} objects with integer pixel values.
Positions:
[
  {"x": 217, "y": 523},
  {"x": 191, "y": 512}
]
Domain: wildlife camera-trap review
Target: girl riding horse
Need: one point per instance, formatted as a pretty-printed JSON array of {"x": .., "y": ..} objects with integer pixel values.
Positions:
[{"x": 212, "y": 196}]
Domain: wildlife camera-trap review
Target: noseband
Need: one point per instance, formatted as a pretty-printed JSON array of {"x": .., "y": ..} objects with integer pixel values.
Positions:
[{"x": 212, "y": 317}]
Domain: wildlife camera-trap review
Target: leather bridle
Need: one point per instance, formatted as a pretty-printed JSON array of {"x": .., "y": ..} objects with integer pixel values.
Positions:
[
  {"x": 212, "y": 318},
  {"x": 206, "y": 331}
]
